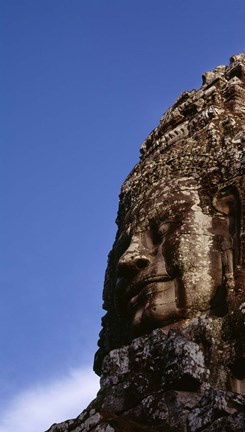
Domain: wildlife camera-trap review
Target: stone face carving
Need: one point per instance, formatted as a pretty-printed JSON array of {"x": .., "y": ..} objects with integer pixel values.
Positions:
[
  {"x": 180, "y": 259},
  {"x": 171, "y": 351}
]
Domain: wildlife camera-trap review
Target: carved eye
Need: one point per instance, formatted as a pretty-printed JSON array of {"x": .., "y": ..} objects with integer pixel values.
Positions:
[
  {"x": 160, "y": 232},
  {"x": 226, "y": 200},
  {"x": 164, "y": 228}
]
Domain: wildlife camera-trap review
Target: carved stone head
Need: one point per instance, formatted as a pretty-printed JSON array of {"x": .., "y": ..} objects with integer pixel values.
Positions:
[{"x": 178, "y": 252}]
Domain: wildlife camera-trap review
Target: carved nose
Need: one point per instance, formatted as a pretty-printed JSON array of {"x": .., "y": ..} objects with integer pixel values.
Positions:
[{"x": 132, "y": 263}]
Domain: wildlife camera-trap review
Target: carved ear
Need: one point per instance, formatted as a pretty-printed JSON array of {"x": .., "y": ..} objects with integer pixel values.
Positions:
[{"x": 226, "y": 201}]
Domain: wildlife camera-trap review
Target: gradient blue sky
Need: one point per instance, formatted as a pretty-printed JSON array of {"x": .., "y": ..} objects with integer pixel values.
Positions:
[{"x": 83, "y": 82}]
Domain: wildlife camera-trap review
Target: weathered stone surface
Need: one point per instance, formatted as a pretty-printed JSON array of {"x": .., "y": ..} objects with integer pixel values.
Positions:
[
  {"x": 214, "y": 406},
  {"x": 172, "y": 351}
]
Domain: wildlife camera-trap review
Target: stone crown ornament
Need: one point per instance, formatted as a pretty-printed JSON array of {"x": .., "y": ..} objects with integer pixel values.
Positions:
[{"x": 201, "y": 135}]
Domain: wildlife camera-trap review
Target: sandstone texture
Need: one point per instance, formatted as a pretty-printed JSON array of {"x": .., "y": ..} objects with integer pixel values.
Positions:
[{"x": 171, "y": 351}]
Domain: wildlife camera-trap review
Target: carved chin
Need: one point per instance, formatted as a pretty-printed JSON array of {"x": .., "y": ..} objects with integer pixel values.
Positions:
[{"x": 155, "y": 306}]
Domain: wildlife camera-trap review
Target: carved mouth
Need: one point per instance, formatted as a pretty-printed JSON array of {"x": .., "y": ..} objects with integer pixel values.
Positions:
[
  {"x": 126, "y": 294},
  {"x": 135, "y": 289}
]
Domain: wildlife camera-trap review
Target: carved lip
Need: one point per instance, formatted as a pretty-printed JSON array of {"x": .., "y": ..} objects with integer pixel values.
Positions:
[{"x": 136, "y": 288}]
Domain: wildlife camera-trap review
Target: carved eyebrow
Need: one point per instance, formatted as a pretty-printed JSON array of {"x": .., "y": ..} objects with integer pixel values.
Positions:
[
  {"x": 160, "y": 220},
  {"x": 169, "y": 219}
]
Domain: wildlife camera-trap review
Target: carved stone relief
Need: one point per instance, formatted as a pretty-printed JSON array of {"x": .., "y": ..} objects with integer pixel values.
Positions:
[{"x": 172, "y": 351}]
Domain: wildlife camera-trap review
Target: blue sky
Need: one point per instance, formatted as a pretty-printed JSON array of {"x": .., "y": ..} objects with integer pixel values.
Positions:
[{"x": 83, "y": 82}]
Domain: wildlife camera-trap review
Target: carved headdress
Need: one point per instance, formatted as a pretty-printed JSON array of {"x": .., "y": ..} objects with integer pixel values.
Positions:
[{"x": 202, "y": 136}]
